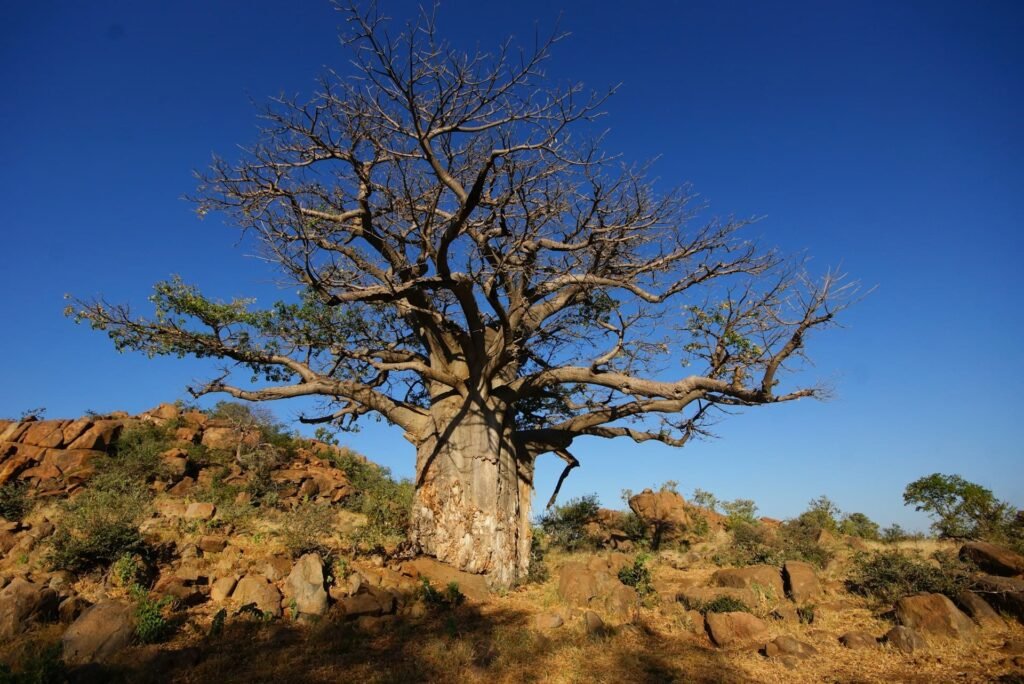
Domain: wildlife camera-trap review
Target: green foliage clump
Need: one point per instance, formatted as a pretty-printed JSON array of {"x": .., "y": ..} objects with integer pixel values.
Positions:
[
  {"x": 134, "y": 459},
  {"x": 895, "y": 533},
  {"x": 565, "y": 525},
  {"x": 859, "y": 525},
  {"x": 451, "y": 597},
  {"x": 14, "y": 501},
  {"x": 739, "y": 512},
  {"x": 638, "y": 575},
  {"x": 538, "y": 570},
  {"x": 705, "y": 499},
  {"x": 258, "y": 419},
  {"x": 41, "y": 665},
  {"x": 721, "y": 604},
  {"x": 965, "y": 510},
  {"x": 821, "y": 514},
  {"x": 887, "y": 576},
  {"x": 99, "y": 526},
  {"x": 386, "y": 502},
  {"x": 755, "y": 543},
  {"x": 305, "y": 528},
  {"x": 805, "y": 613},
  {"x": 151, "y": 624}
]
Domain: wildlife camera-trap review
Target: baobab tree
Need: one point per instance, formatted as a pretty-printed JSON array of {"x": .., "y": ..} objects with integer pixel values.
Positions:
[{"x": 475, "y": 270}]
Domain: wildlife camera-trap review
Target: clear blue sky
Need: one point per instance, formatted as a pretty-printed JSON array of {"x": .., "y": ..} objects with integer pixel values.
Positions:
[{"x": 885, "y": 136}]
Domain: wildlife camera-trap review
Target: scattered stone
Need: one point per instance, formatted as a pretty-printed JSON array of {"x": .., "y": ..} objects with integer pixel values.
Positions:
[
  {"x": 788, "y": 646},
  {"x": 858, "y": 639},
  {"x": 222, "y": 588},
  {"x": 592, "y": 623},
  {"x": 257, "y": 590},
  {"x": 995, "y": 560},
  {"x": 99, "y": 632},
  {"x": 184, "y": 486},
  {"x": 70, "y": 608},
  {"x": 200, "y": 511},
  {"x": 786, "y": 613},
  {"x": 934, "y": 614},
  {"x": 801, "y": 581},
  {"x": 22, "y": 601},
  {"x": 546, "y": 621},
  {"x": 305, "y": 586},
  {"x": 212, "y": 544},
  {"x": 277, "y": 568},
  {"x": 734, "y": 629},
  {"x": 764, "y": 576},
  {"x": 905, "y": 639},
  {"x": 175, "y": 462}
]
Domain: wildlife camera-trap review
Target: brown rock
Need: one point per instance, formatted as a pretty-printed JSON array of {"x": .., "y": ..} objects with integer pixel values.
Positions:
[
  {"x": 48, "y": 434},
  {"x": 99, "y": 436},
  {"x": 788, "y": 646},
  {"x": 474, "y": 587},
  {"x": 212, "y": 543},
  {"x": 183, "y": 487},
  {"x": 305, "y": 585},
  {"x": 1004, "y": 593},
  {"x": 734, "y": 629},
  {"x": 979, "y": 610},
  {"x": 187, "y": 434},
  {"x": 360, "y": 605},
  {"x": 73, "y": 461},
  {"x": 200, "y": 511},
  {"x": 593, "y": 624},
  {"x": 100, "y": 632},
  {"x": 995, "y": 560},
  {"x": 195, "y": 418},
  {"x": 224, "y": 438},
  {"x": 174, "y": 462},
  {"x": 905, "y": 639},
  {"x": 70, "y": 608},
  {"x": 547, "y": 621},
  {"x": 801, "y": 581},
  {"x": 765, "y": 576},
  {"x": 164, "y": 412},
  {"x": 75, "y": 429},
  {"x": 934, "y": 614},
  {"x": 222, "y": 588},
  {"x": 858, "y": 639},
  {"x": 253, "y": 589},
  {"x": 14, "y": 431},
  {"x": 276, "y": 568},
  {"x": 664, "y": 511},
  {"x": 19, "y": 602}
]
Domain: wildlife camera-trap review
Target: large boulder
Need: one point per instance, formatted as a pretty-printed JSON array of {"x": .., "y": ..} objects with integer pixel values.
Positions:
[
  {"x": 257, "y": 590},
  {"x": 934, "y": 614},
  {"x": 20, "y": 602},
  {"x": 664, "y": 511},
  {"x": 596, "y": 586},
  {"x": 995, "y": 560},
  {"x": 440, "y": 575},
  {"x": 98, "y": 633},
  {"x": 979, "y": 610},
  {"x": 802, "y": 583},
  {"x": 735, "y": 629},
  {"x": 305, "y": 586},
  {"x": 1004, "y": 593},
  {"x": 767, "y": 577},
  {"x": 223, "y": 438}
]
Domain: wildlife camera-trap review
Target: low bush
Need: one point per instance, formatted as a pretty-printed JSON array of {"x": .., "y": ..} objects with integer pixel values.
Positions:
[
  {"x": 565, "y": 525},
  {"x": 386, "y": 502},
  {"x": 755, "y": 544},
  {"x": 859, "y": 525},
  {"x": 739, "y": 512},
  {"x": 306, "y": 528},
  {"x": 40, "y": 664},
  {"x": 15, "y": 502},
  {"x": 887, "y": 576},
  {"x": 451, "y": 597},
  {"x": 98, "y": 527},
  {"x": 638, "y": 575},
  {"x": 151, "y": 624}
]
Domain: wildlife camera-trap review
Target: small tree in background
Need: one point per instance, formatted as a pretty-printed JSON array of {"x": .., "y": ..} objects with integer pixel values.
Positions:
[{"x": 961, "y": 509}]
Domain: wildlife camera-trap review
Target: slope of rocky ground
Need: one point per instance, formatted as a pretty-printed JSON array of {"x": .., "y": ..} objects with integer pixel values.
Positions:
[{"x": 183, "y": 546}]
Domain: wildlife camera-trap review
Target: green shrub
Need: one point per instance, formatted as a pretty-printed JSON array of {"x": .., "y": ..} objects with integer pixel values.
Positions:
[
  {"x": 40, "y": 665},
  {"x": 821, "y": 514},
  {"x": 887, "y": 576},
  {"x": 98, "y": 527},
  {"x": 859, "y": 525},
  {"x": 755, "y": 544},
  {"x": 451, "y": 597},
  {"x": 721, "y": 604},
  {"x": 705, "y": 499},
  {"x": 134, "y": 459},
  {"x": 305, "y": 529},
  {"x": 151, "y": 625},
  {"x": 565, "y": 525},
  {"x": 805, "y": 613},
  {"x": 638, "y": 575},
  {"x": 386, "y": 502},
  {"x": 739, "y": 512},
  {"x": 15, "y": 503}
]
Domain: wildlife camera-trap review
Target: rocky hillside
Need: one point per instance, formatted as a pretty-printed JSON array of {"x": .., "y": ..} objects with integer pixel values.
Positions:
[{"x": 180, "y": 545}]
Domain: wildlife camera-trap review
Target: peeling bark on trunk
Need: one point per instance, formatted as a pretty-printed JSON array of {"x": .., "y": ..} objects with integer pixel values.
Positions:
[{"x": 472, "y": 503}]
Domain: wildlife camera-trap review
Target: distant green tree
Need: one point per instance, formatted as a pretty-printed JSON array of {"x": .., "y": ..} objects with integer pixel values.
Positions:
[
  {"x": 822, "y": 514},
  {"x": 705, "y": 499},
  {"x": 959, "y": 508},
  {"x": 859, "y": 525},
  {"x": 738, "y": 512}
]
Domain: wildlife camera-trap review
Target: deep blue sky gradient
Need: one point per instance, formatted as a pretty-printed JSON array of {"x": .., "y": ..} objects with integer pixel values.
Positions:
[{"x": 882, "y": 136}]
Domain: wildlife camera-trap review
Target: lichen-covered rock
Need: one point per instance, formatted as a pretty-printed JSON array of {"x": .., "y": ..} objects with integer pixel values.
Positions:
[{"x": 305, "y": 586}]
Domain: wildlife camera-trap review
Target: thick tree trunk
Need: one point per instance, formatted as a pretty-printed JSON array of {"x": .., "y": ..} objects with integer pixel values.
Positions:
[{"x": 472, "y": 504}]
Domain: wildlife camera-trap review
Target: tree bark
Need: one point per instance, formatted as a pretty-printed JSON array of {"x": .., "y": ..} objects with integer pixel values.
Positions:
[{"x": 473, "y": 489}]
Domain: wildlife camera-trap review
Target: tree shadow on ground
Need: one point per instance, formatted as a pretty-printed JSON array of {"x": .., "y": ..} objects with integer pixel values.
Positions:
[{"x": 465, "y": 644}]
